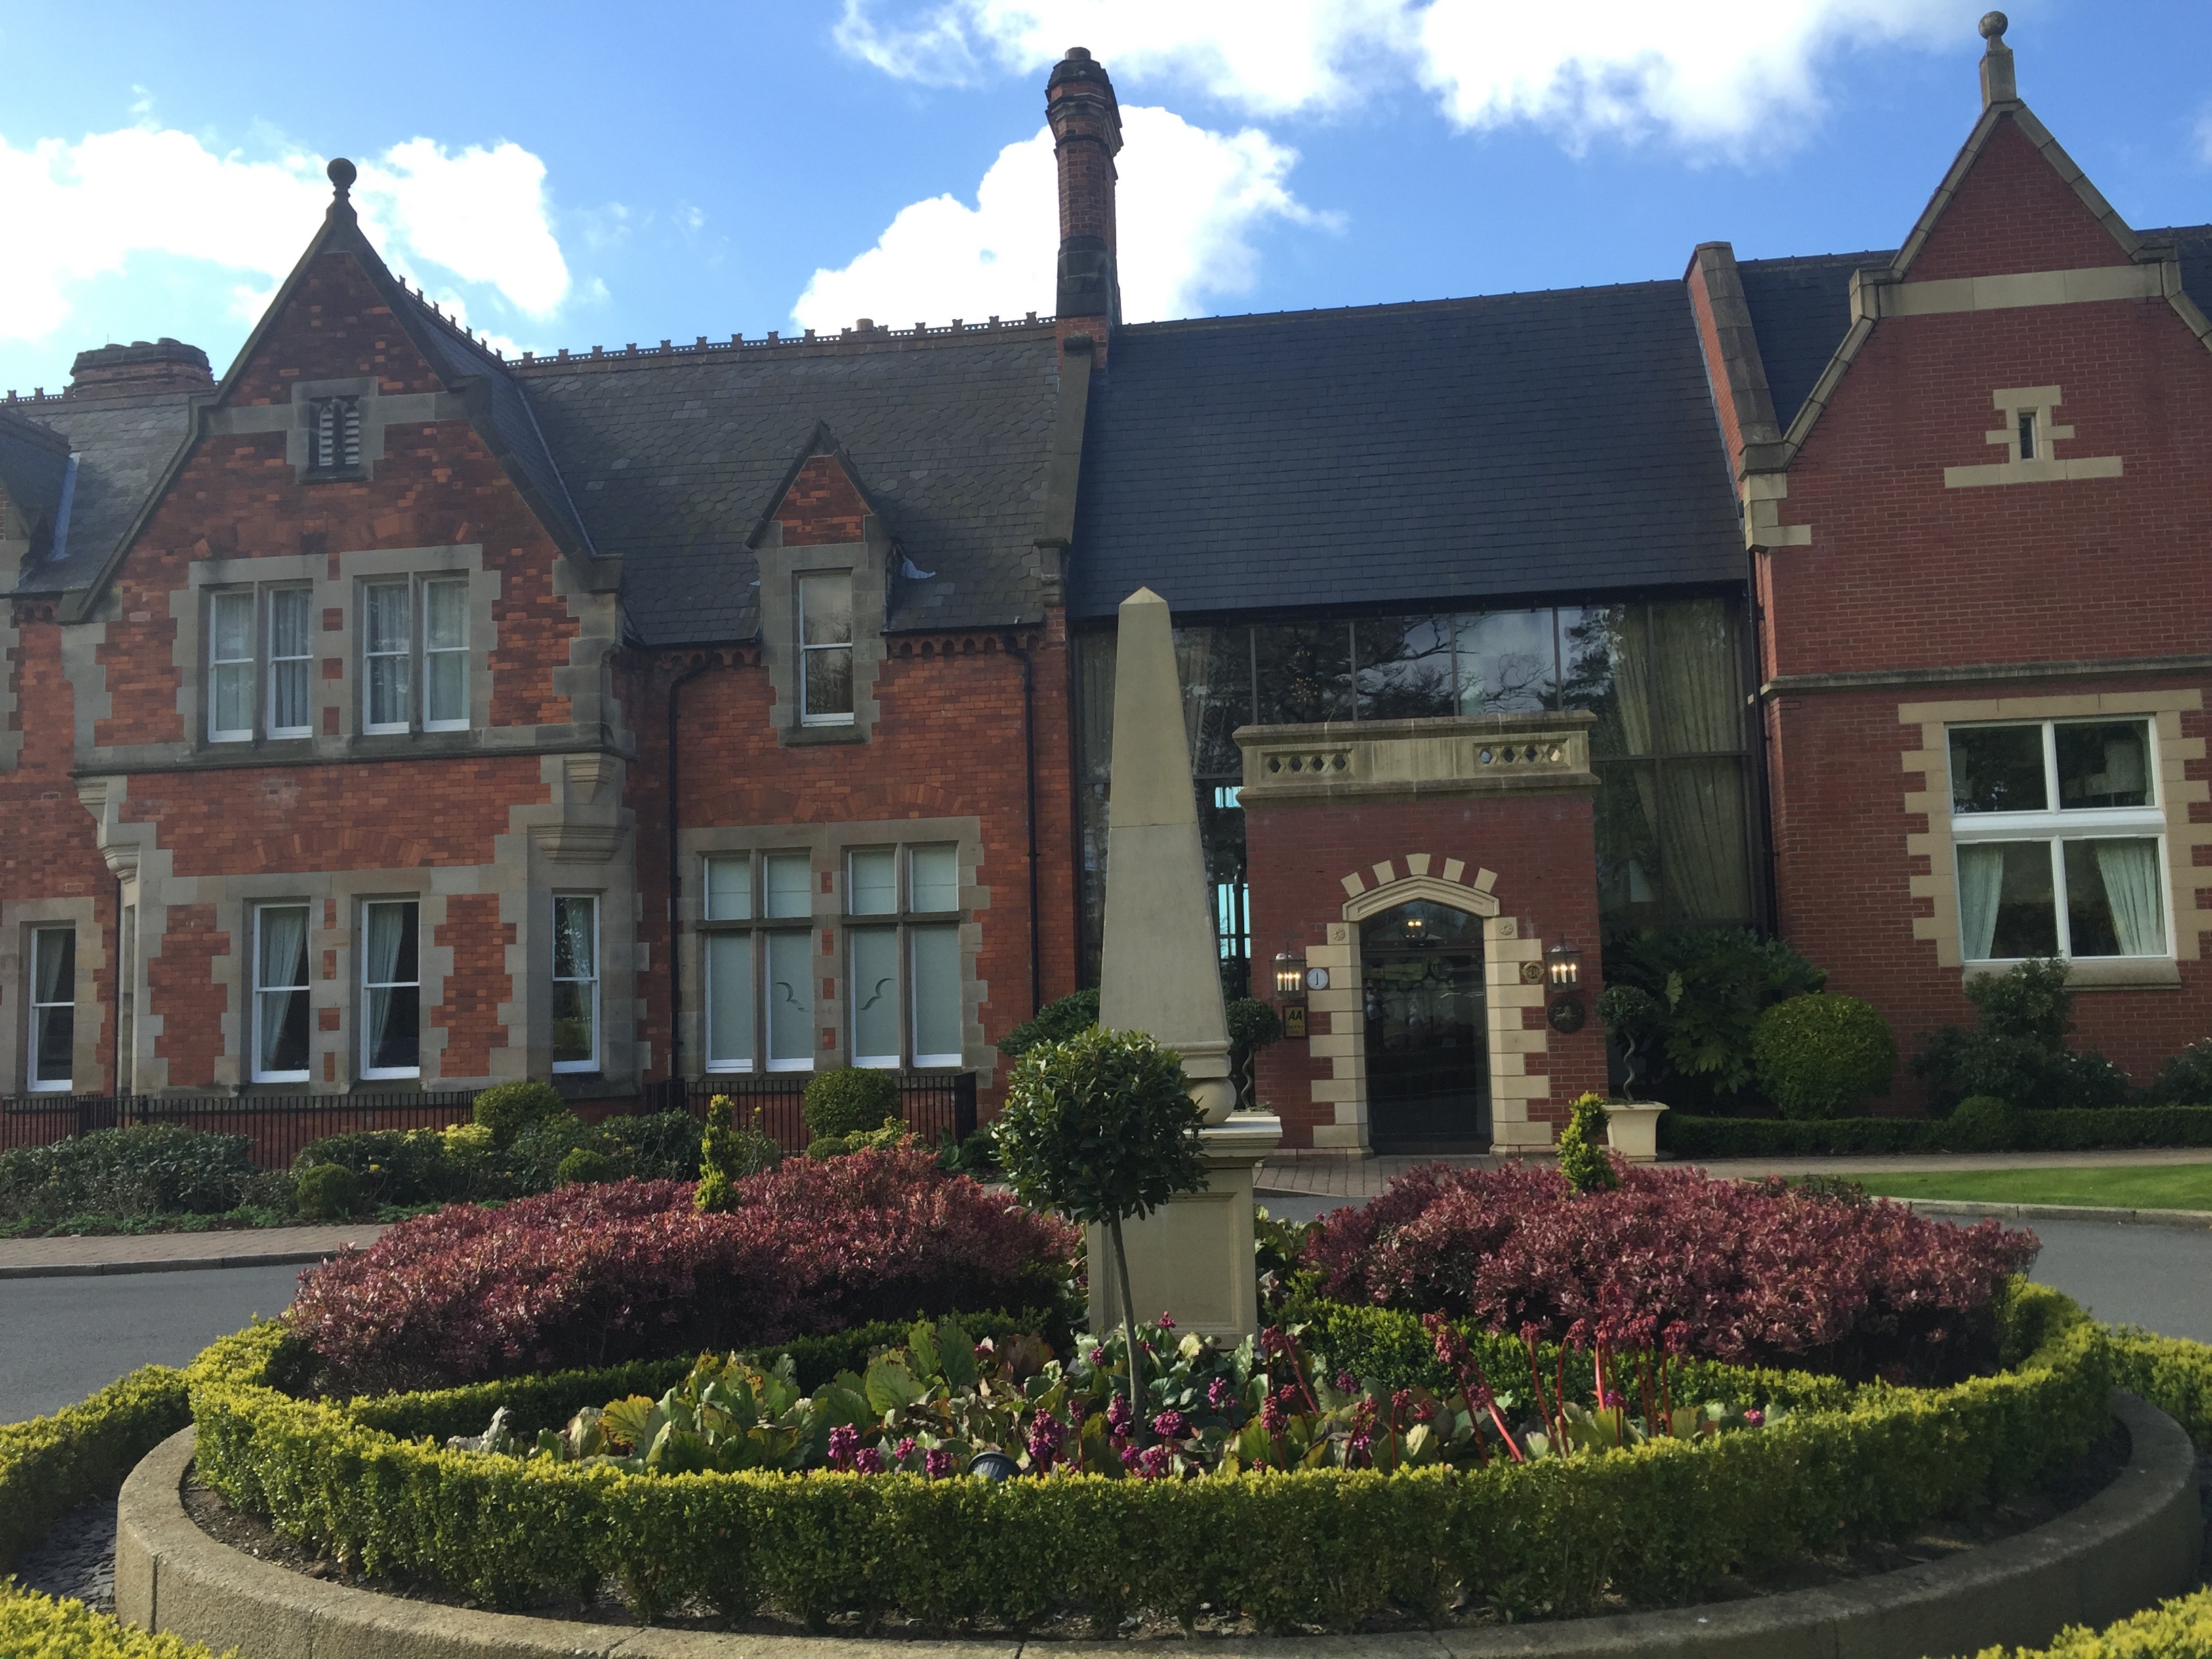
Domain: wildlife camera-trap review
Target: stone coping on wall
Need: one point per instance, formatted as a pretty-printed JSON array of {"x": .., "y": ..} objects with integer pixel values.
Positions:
[
  {"x": 2134, "y": 1543},
  {"x": 1385, "y": 760}
]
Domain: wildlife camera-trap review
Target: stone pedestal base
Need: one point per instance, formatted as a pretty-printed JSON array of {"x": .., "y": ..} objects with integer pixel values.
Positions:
[{"x": 1194, "y": 1259}]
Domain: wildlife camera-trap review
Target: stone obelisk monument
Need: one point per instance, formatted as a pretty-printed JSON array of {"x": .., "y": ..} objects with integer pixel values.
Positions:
[{"x": 1161, "y": 973}]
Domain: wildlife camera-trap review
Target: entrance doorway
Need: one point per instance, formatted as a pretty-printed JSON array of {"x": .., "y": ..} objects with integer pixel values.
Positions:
[{"x": 1428, "y": 1052}]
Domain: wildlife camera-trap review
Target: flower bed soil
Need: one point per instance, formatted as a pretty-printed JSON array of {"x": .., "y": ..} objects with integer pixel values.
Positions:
[{"x": 2064, "y": 1489}]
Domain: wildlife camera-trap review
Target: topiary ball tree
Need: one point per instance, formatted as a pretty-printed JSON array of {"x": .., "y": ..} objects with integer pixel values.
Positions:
[
  {"x": 848, "y": 1101},
  {"x": 1101, "y": 1127},
  {"x": 1585, "y": 1157},
  {"x": 508, "y": 1109},
  {"x": 1821, "y": 1055}
]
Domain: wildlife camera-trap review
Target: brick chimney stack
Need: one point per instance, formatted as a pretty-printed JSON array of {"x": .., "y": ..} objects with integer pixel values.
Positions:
[
  {"x": 143, "y": 366},
  {"x": 1086, "y": 135}
]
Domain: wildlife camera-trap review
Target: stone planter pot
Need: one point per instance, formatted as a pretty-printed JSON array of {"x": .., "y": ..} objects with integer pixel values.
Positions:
[{"x": 1632, "y": 1129}]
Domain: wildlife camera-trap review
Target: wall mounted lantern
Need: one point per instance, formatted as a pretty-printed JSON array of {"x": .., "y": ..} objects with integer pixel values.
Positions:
[
  {"x": 1564, "y": 966},
  {"x": 1290, "y": 976}
]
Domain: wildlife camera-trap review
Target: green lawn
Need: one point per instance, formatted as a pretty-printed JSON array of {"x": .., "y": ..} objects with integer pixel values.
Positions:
[{"x": 2134, "y": 1187}]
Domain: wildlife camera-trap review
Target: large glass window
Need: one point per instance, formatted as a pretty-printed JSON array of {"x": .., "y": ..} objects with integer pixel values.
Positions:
[
  {"x": 729, "y": 1002},
  {"x": 230, "y": 666},
  {"x": 53, "y": 1010},
  {"x": 391, "y": 989},
  {"x": 280, "y": 994},
  {"x": 575, "y": 982},
  {"x": 937, "y": 1003},
  {"x": 825, "y": 649},
  {"x": 2060, "y": 841},
  {"x": 730, "y": 888},
  {"x": 290, "y": 648},
  {"x": 790, "y": 885},
  {"x": 883, "y": 964},
  {"x": 874, "y": 958},
  {"x": 790, "y": 1002}
]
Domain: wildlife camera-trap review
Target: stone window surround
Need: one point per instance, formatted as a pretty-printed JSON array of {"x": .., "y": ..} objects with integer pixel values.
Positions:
[
  {"x": 334, "y": 901},
  {"x": 18, "y": 919},
  {"x": 189, "y": 606},
  {"x": 865, "y": 562},
  {"x": 1506, "y": 992},
  {"x": 379, "y": 409},
  {"x": 2177, "y": 792},
  {"x": 2012, "y": 403},
  {"x": 826, "y": 845}
]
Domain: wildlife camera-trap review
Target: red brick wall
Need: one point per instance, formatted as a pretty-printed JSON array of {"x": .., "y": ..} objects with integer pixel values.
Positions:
[
  {"x": 1903, "y": 573},
  {"x": 468, "y": 1012},
  {"x": 183, "y": 992},
  {"x": 821, "y": 508},
  {"x": 948, "y": 743},
  {"x": 1543, "y": 848},
  {"x": 46, "y": 845}
]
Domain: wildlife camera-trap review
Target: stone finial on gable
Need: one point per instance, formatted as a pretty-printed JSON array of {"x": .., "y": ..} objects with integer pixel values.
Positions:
[{"x": 1998, "y": 84}]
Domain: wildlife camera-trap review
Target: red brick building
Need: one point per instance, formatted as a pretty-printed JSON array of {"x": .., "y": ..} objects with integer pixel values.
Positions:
[{"x": 392, "y": 715}]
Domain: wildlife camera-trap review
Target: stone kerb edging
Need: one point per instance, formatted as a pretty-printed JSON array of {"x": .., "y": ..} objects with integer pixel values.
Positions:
[{"x": 2134, "y": 1542}]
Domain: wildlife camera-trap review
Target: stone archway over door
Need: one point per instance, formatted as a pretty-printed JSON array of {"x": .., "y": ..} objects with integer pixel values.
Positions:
[{"x": 1339, "y": 1012}]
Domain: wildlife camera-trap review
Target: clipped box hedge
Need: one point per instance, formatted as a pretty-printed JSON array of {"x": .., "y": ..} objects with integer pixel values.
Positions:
[
  {"x": 1322, "y": 1547},
  {"x": 49, "y": 1465},
  {"x": 2063, "y": 1130}
]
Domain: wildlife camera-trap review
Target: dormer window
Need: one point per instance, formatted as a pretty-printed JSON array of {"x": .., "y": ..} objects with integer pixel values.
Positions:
[
  {"x": 825, "y": 649},
  {"x": 334, "y": 435}
]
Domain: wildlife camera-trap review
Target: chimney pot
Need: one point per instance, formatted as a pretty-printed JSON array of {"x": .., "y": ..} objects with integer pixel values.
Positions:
[
  {"x": 142, "y": 366},
  {"x": 1086, "y": 130}
]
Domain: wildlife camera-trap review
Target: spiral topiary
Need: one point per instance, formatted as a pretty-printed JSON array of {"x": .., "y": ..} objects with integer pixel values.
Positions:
[{"x": 1585, "y": 1156}]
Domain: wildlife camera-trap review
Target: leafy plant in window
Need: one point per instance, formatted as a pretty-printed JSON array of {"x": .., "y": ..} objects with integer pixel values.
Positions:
[
  {"x": 1687, "y": 1001},
  {"x": 2017, "y": 1052},
  {"x": 1101, "y": 1128}
]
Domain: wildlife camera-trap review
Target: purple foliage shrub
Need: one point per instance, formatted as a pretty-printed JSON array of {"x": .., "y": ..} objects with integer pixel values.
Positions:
[
  {"x": 1749, "y": 1273},
  {"x": 600, "y": 1274}
]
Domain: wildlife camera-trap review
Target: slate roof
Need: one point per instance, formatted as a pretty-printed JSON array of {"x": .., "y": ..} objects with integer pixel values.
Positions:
[
  {"x": 1515, "y": 445},
  {"x": 2194, "y": 244},
  {"x": 33, "y": 472},
  {"x": 123, "y": 445},
  {"x": 674, "y": 457},
  {"x": 1801, "y": 310}
]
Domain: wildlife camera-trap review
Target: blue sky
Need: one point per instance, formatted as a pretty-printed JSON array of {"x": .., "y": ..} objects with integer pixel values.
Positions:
[{"x": 569, "y": 175}]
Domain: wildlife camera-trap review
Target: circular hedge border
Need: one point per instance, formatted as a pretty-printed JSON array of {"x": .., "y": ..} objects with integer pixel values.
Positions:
[{"x": 1314, "y": 1548}]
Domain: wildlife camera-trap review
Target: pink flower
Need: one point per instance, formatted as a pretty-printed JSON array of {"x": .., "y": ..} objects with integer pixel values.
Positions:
[
  {"x": 844, "y": 1442},
  {"x": 937, "y": 1463},
  {"x": 1170, "y": 1426},
  {"x": 1755, "y": 1417},
  {"x": 868, "y": 1460}
]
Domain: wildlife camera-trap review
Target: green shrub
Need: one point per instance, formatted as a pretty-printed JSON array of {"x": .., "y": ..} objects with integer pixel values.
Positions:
[
  {"x": 531, "y": 1160},
  {"x": 2173, "y": 1374},
  {"x": 849, "y": 1100},
  {"x": 1556, "y": 1538},
  {"x": 404, "y": 1166},
  {"x": 1821, "y": 1055},
  {"x": 49, "y": 1465},
  {"x": 34, "y": 1626},
  {"x": 1054, "y": 1023},
  {"x": 584, "y": 1165},
  {"x": 134, "y": 1174},
  {"x": 2061, "y": 1131},
  {"x": 2017, "y": 1050},
  {"x": 655, "y": 1146},
  {"x": 887, "y": 1134},
  {"x": 326, "y": 1192},
  {"x": 506, "y": 1108},
  {"x": 1686, "y": 1000},
  {"x": 2185, "y": 1080},
  {"x": 1585, "y": 1159},
  {"x": 1981, "y": 1123},
  {"x": 976, "y": 1156}
]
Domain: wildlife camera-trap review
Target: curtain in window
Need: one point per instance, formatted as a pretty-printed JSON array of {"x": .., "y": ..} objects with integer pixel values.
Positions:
[
  {"x": 284, "y": 996},
  {"x": 1676, "y": 690},
  {"x": 53, "y": 1012},
  {"x": 1981, "y": 885},
  {"x": 394, "y": 995},
  {"x": 2130, "y": 869}
]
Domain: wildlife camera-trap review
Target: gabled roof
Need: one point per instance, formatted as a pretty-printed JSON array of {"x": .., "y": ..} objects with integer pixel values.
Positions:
[
  {"x": 676, "y": 459},
  {"x": 1517, "y": 445},
  {"x": 124, "y": 445}
]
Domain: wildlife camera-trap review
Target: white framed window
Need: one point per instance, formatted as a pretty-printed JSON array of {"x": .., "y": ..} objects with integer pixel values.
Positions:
[
  {"x": 290, "y": 649},
  {"x": 790, "y": 885},
  {"x": 729, "y": 888},
  {"x": 391, "y": 988},
  {"x": 385, "y": 654},
  {"x": 825, "y": 649},
  {"x": 872, "y": 969},
  {"x": 730, "y": 1002},
  {"x": 904, "y": 979},
  {"x": 2060, "y": 841},
  {"x": 445, "y": 655},
  {"x": 575, "y": 982},
  {"x": 872, "y": 881},
  {"x": 790, "y": 986},
  {"x": 280, "y": 994},
  {"x": 230, "y": 666},
  {"x": 936, "y": 951},
  {"x": 52, "y": 1058}
]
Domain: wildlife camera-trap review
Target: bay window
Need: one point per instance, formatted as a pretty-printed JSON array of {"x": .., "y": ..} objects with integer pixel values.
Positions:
[
  {"x": 280, "y": 994},
  {"x": 53, "y": 1010},
  {"x": 2060, "y": 841},
  {"x": 391, "y": 989}
]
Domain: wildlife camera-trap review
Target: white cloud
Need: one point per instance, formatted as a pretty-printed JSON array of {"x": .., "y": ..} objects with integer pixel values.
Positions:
[
  {"x": 1189, "y": 201},
  {"x": 78, "y": 212},
  {"x": 1712, "y": 74}
]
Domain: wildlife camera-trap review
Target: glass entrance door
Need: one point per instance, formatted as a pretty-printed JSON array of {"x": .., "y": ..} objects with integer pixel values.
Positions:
[{"x": 1428, "y": 1056}]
